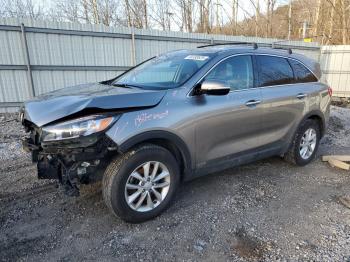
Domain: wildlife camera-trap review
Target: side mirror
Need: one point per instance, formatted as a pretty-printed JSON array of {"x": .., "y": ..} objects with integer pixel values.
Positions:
[{"x": 216, "y": 88}]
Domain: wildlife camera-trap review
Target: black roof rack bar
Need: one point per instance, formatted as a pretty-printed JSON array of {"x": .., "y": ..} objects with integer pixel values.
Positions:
[
  {"x": 255, "y": 45},
  {"x": 283, "y": 48}
]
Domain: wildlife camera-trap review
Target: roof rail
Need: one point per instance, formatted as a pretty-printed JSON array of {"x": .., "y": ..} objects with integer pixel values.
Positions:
[
  {"x": 255, "y": 45},
  {"x": 283, "y": 48}
]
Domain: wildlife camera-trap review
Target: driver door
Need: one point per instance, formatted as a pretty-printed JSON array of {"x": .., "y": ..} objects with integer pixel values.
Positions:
[{"x": 228, "y": 127}]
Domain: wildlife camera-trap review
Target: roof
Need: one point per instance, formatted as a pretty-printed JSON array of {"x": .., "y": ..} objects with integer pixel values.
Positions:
[{"x": 237, "y": 48}]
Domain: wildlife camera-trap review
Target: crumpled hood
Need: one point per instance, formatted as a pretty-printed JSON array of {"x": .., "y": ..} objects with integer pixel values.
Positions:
[{"x": 70, "y": 100}]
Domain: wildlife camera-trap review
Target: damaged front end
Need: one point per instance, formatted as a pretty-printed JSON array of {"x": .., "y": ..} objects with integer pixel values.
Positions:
[{"x": 73, "y": 151}]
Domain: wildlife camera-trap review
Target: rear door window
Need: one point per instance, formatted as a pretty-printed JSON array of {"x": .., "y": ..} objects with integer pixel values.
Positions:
[
  {"x": 236, "y": 72},
  {"x": 274, "y": 71},
  {"x": 302, "y": 74}
]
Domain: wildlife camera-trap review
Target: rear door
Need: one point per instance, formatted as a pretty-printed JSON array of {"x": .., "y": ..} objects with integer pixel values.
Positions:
[
  {"x": 228, "y": 125},
  {"x": 284, "y": 100}
]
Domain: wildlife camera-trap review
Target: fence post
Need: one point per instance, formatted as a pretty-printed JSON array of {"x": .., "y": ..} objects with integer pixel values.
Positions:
[{"x": 27, "y": 58}]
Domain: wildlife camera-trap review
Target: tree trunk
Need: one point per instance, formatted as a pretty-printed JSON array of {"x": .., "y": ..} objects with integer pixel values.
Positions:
[
  {"x": 234, "y": 16},
  {"x": 106, "y": 15},
  {"x": 290, "y": 19},
  {"x": 201, "y": 15},
  {"x": 331, "y": 28},
  {"x": 257, "y": 17},
  {"x": 317, "y": 18},
  {"x": 268, "y": 18},
  {"x": 145, "y": 15},
  {"x": 344, "y": 24},
  {"x": 86, "y": 11},
  {"x": 189, "y": 15},
  {"x": 128, "y": 13},
  {"x": 95, "y": 11},
  {"x": 207, "y": 25}
]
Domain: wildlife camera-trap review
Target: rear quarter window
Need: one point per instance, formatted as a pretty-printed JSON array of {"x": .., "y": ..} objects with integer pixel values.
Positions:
[
  {"x": 274, "y": 71},
  {"x": 302, "y": 74}
]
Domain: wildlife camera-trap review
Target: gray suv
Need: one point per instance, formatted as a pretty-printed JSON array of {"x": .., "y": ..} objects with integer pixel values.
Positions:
[{"x": 175, "y": 117}]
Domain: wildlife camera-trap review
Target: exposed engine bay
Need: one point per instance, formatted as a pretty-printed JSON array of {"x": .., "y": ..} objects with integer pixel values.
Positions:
[{"x": 71, "y": 162}]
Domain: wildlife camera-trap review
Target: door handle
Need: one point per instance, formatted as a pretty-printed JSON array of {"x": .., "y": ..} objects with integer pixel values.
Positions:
[
  {"x": 301, "y": 96},
  {"x": 252, "y": 102}
]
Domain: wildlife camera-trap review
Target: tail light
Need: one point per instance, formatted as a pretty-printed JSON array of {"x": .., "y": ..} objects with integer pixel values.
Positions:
[{"x": 330, "y": 91}]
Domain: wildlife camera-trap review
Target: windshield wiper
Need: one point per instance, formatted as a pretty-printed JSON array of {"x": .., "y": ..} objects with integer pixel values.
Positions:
[
  {"x": 121, "y": 85},
  {"x": 124, "y": 85}
]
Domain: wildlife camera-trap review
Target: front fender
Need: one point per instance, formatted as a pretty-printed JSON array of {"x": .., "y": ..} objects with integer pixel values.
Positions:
[{"x": 149, "y": 136}]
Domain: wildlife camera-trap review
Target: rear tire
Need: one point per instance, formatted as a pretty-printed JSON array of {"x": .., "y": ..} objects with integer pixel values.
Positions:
[
  {"x": 153, "y": 197},
  {"x": 302, "y": 151}
]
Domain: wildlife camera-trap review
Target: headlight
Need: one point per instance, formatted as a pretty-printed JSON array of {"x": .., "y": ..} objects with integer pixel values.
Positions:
[{"x": 76, "y": 128}]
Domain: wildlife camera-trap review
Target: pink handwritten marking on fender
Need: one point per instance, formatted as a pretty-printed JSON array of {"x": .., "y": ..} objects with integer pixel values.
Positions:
[{"x": 144, "y": 117}]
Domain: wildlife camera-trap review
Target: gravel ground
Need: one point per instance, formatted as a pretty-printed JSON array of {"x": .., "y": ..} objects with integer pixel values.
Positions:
[{"x": 265, "y": 211}]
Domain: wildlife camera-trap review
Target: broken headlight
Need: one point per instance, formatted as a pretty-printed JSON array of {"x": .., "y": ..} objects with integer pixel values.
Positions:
[{"x": 83, "y": 126}]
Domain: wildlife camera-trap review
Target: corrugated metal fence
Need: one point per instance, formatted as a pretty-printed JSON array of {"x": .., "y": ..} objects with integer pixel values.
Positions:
[
  {"x": 37, "y": 57},
  {"x": 335, "y": 64}
]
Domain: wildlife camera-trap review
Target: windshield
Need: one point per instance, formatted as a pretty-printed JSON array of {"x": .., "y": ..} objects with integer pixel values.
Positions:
[{"x": 164, "y": 72}]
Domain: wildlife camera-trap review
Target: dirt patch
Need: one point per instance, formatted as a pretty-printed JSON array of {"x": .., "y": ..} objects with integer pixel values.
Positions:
[
  {"x": 248, "y": 247},
  {"x": 336, "y": 124},
  {"x": 19, "y": 248},
  {"x": 342, "y": 102}
]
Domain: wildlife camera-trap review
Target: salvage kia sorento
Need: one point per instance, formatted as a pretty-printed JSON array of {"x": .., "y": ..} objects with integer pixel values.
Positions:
[{"x": 175, "y": 117}]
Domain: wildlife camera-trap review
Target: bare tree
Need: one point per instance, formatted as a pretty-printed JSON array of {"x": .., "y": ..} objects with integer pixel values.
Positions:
[
  {"x": 22, "y": 9},
  {"x": 108, "y": 12},
  {"x": 235, "y": 14},
  {"x": 145, "y": 13},
  {"x": 65, "y": 11},
  {"x": 270, "y": 18},
  {"x": 95, "y": 12},
  {"x": 2, "y": 8},
  {"x": 331, "y": 28},
  {"x": 270, "y": 6},
  {"x": 161, "y": 13},
  {"x": 345, "y": 11},
  {"x": 85, "y": 7},
  {"x": 204, "y": 25},
  {"x": 187, "y": 14}
]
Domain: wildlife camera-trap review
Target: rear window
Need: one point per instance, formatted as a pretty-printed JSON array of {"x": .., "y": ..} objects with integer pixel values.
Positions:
[
  {"x": 302, "y": 74},
  {"x": 274, "y": 71}
]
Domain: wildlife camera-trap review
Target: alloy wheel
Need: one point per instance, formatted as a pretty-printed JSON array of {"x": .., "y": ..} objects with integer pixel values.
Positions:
[
  {"x": 308, "y": 143},
  {"x": 147, "y": 186}
]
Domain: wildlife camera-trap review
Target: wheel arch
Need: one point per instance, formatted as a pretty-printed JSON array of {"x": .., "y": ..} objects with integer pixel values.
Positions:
[
  {"x": 166, "y": 139},
  {"x": 318, "y": 116}
]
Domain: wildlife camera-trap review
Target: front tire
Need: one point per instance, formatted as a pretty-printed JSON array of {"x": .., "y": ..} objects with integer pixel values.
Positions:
[
  {"x": 140, "y": 184},
  {"x": 305, "y": 143}
]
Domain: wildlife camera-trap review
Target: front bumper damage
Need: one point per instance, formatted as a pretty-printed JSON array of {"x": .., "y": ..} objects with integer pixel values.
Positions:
[{"x": 72, "y": 162}]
